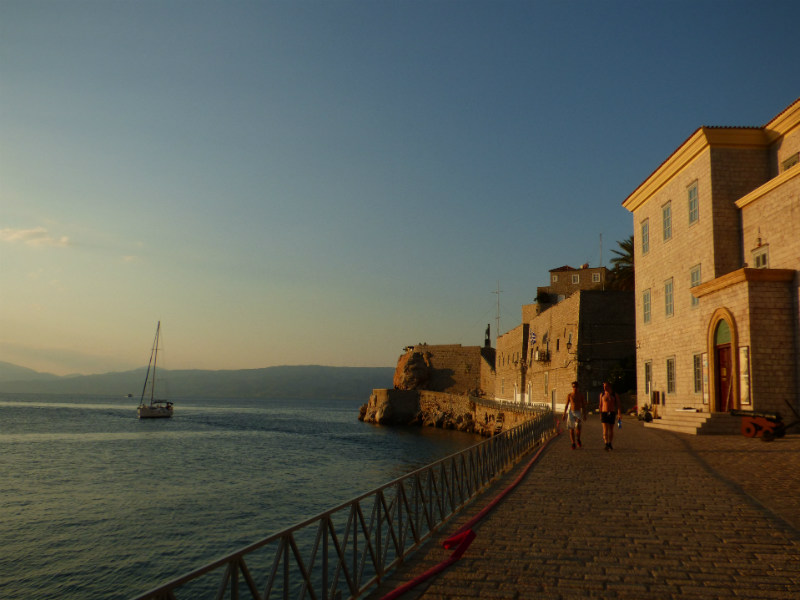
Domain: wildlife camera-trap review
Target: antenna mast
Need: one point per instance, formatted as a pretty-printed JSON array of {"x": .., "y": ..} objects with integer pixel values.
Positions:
[
  {"x": 601, "y": 250},
  {"x": 497, "y": 291}
]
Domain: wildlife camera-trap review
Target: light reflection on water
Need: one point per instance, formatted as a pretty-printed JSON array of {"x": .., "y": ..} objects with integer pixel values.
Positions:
[{"x": 95, "y": 503}]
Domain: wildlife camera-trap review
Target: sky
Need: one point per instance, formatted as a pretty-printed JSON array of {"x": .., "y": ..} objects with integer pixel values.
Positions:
[{"x": 326, "y": 182}]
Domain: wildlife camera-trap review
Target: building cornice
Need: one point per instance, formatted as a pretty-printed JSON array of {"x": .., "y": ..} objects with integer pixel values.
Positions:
[
  {"x": 784, "y": 122},
  {"x": 700, "y": 140},
  {"x": 741, "y": 275},
  {"x": 768, "y": 187}
]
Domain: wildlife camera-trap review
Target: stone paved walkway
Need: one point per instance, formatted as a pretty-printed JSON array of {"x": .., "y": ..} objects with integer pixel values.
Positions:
[{"x": 663, "y": 515}]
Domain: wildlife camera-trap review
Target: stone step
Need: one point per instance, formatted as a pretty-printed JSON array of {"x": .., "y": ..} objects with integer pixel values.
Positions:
[{"x": 698, "y": 423}]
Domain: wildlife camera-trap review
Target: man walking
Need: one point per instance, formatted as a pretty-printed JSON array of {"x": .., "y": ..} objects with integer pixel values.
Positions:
[
  {"x": 575, "y": 410},
  {"x": 610, "y": 413}
]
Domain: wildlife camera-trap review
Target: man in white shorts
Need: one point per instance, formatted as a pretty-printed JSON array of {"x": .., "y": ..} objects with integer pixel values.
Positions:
[{"x": 575, "y": 410}]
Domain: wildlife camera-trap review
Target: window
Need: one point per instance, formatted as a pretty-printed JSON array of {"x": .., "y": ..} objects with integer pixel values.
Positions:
[
  {"x": 646, "y": 305},
  {"x": 576, "y": 278},
  {"x": 669, "y": 307},
  {"x": 698, "y": 373},
  {"x": 791, "y": 161},
  {"x": 761, "y": 257},
  {"x": 671, "y": 375},
  {"x": 595, "y": 277},
  {"x": 645, "y": 236},
  {"x": 648, "y": 377},
  {"x": 555, "y": 278},
  {"x": 666, "y": 217},
  {"x": 695, "y": 281},
  {"x": 694, "y": 204},
  {"x": 546, "y": 382}
]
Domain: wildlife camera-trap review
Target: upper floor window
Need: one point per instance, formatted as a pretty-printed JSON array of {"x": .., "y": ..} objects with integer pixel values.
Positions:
[
  {"x": 761, "y": 257},
  {"x": 646, "y": 305},
  {"x": 595, "y": 277},
  {"x": 695, "y": 274},
  {"x": 694, "y": 204},
  {"x": 791, "y": 161},
  {"x": 576, "y": 278},
  {"x": 645, "y": 236},
  {"x": 669, "y": 306},
  {"x": 666, "y": 218},
  {"x": 555, "y": 278}
]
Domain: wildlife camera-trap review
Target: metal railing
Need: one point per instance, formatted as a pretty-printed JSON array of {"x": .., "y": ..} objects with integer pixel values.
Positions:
[
  {"x": 343, "y": 552},
  {"x": 509, "y": 405}
]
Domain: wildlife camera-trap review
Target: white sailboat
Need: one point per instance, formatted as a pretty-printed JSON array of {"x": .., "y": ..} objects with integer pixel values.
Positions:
[{"x": 157, "y": 409}]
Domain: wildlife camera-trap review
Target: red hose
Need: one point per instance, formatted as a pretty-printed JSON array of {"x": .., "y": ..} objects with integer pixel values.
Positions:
[{"x": 462, "y": 538}]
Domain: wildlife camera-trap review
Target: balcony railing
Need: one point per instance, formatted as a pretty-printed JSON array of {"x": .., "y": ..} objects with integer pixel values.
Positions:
[{"x": 345, "y": 551}]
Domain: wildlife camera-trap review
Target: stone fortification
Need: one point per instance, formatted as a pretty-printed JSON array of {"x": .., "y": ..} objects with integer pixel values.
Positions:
[
  {"x": 451, "y": 368},
  {"x": 436, "y": 386}
]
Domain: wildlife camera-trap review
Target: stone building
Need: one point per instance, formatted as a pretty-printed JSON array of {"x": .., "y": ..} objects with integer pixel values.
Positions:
[
  {"x": 565, "y": 281},
  {"x": 587, "y": 337},
  {"x": 717, "y": 255}
]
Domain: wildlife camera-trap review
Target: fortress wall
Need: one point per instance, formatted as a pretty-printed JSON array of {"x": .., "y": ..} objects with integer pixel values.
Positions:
[{"x": 455, "y": 368}]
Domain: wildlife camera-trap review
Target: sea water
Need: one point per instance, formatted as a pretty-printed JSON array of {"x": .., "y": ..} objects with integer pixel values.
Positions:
[{"x": 95, "y": 503}]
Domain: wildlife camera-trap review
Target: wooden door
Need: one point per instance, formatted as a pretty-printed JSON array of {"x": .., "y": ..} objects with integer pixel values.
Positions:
[{"x": 724, "y": 400}]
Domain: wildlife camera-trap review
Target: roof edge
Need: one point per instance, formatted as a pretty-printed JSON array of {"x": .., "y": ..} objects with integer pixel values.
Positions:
[{"x": 704, "y": 137}]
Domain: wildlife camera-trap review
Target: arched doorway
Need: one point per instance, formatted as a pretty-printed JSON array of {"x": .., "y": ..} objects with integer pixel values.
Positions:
[
  {"x": 723, "y": 362},
  {"x": 724, "y": 368}
]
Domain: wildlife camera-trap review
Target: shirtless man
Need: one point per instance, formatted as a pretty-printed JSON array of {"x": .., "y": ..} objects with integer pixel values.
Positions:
[
  {"x": 576, "y": 407},
  {"x": 610, "y": 412}
]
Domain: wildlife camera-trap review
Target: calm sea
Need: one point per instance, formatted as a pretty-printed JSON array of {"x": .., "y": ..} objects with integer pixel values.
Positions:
[{"x": 95, "y": 503}]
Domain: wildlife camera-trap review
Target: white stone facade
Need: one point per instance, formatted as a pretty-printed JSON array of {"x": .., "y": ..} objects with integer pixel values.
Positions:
[{"x": 717, "y": 255}]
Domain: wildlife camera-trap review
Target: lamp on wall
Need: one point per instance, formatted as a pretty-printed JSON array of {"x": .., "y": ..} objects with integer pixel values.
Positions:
[{"x": 569, "y": 346}]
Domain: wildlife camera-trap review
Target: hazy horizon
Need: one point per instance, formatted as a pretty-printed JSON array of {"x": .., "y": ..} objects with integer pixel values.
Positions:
[
  {"x": 326, "y": 183},
  {"x": 144, "y": 366}
]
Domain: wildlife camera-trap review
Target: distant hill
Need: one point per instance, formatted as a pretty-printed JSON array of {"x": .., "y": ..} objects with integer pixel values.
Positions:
[
  {"x": 302, "y": 381},
  {"x": 9, "y": 372}
]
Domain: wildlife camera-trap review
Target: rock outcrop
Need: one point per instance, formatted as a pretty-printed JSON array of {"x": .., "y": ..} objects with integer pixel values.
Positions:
[
  {"x": 424, "y": 408},
  {"x": 413, "y": 371},
  {"x": 391, "y": 407}
]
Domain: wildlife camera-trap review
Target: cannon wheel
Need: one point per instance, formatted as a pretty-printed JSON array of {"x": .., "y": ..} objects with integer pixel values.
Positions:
[{"x": 767, "y": 436}]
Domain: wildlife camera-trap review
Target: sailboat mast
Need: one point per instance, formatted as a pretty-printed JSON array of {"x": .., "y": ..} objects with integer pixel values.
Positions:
[
  {"x": 149, "y": 366},
  {"x": 155, "y": 362}
]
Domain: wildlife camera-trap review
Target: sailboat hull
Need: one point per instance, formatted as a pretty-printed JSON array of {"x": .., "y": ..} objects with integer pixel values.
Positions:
[{"x": 155, "y": 411}]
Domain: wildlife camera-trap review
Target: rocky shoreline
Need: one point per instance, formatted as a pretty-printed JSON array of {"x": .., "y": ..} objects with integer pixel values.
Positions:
[{"x": 422, "y": 408}]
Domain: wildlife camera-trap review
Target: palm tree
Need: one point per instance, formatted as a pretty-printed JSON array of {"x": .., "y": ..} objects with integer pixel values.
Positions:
[{"x": 622, "y": 274}]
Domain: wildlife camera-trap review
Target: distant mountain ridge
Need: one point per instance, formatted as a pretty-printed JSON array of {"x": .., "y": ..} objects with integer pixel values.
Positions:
[
  {"x": 300, "y": 381},
  {"x": 9, "y": 372}
]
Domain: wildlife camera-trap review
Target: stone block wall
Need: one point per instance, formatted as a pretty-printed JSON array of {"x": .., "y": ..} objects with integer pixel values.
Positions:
[
  {"x": 551, "y": 378},
  {"x": 682, "y": 334},
  {"x": 455, "y": 368},
  {"x": 783, "y": 148},
  {"x": 774, "y": 220},
  {"x": 773, "y": 351},
  {"x": 734, "y": 173},
  {"x": 510, "y": 362}
]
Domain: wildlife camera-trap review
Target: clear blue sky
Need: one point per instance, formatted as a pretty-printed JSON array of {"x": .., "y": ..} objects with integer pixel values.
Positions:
[{"x": 327, "y": 182}]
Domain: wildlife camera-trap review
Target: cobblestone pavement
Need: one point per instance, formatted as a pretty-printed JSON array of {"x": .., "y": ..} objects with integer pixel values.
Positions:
[{"x": 663, "y": 515}]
